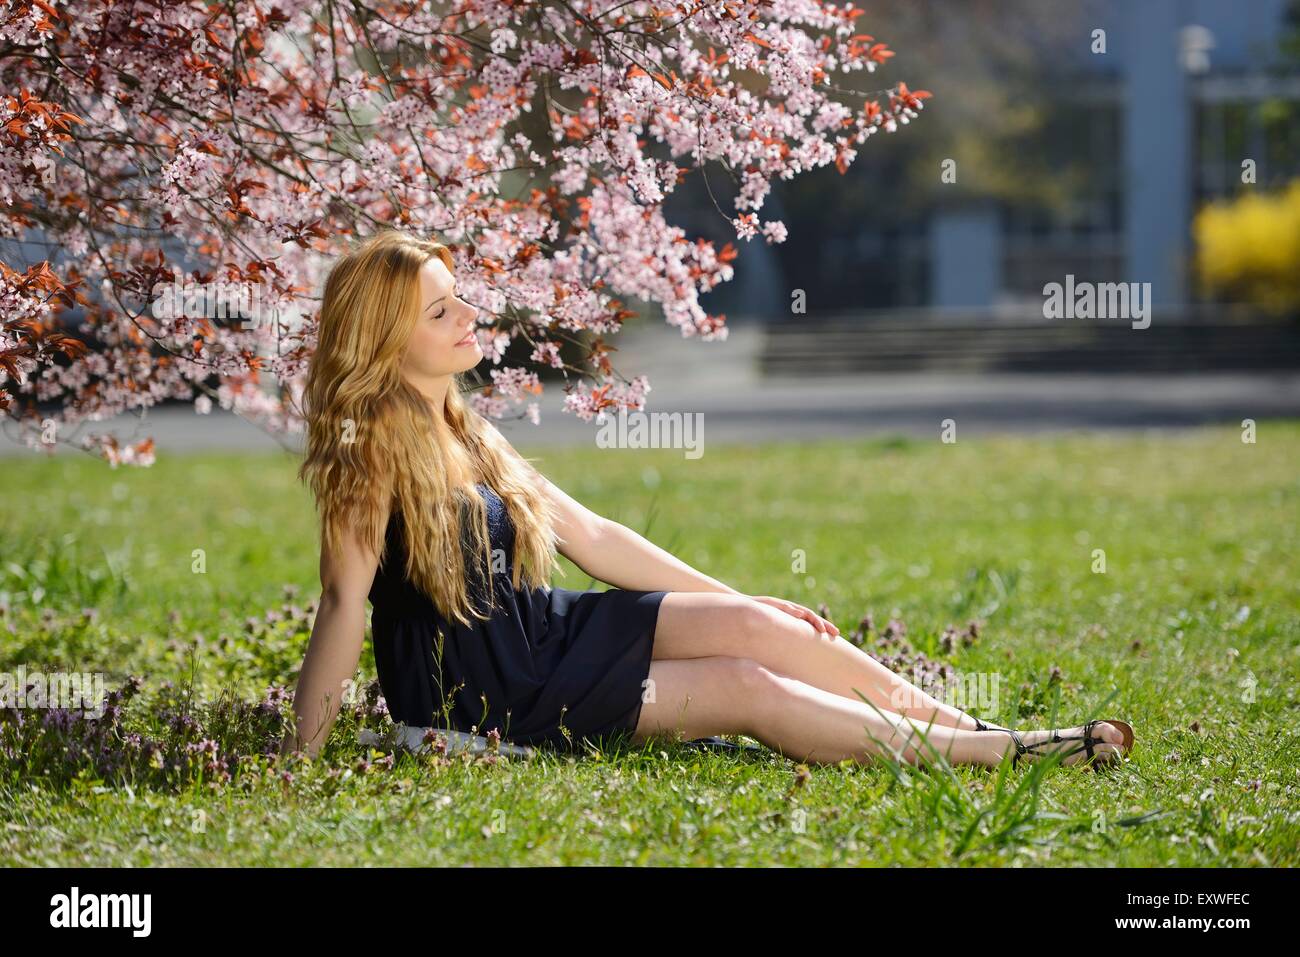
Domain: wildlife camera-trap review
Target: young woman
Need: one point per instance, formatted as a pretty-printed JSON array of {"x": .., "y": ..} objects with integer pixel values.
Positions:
[{"x": 427, "y": 511}]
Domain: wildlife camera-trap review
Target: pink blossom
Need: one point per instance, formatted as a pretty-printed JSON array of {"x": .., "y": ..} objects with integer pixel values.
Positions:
[{"x": 250, "y": 141}]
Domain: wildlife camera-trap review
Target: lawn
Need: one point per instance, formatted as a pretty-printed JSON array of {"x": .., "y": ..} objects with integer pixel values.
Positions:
[{"x": 196, "y": 576}]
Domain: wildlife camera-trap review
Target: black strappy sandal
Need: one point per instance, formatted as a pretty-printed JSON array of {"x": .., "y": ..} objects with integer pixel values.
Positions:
[{"x": 1089, "y": 742}]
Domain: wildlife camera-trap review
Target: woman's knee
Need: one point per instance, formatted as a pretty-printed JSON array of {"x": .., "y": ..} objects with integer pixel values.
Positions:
[
  {"x": 696, "y": 624},
  {"x": 758, "y": 621},
  {"x": 761, "y": 622},
  {"x": 748, "y": 674},
  {"x": 758, "y": 689}
]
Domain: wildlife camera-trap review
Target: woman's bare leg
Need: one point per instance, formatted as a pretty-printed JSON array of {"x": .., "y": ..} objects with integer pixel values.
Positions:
[
  {"x": 704, "y": 624},
  {"x": 697, "y": 697}
]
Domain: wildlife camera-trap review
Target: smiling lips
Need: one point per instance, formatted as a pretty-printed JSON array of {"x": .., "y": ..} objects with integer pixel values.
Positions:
[{"x": 469, "y": 339}]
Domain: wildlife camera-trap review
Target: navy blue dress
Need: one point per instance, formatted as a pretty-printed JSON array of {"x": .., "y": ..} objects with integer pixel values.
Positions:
[{"x": 549, "y": 658}]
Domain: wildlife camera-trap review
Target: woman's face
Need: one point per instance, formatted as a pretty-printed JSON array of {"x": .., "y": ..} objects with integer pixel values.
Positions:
[{"x": 443, "y": 342}]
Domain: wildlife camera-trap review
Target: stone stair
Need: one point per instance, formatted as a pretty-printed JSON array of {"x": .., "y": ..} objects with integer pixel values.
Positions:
[{"x": 925, "y": 341}]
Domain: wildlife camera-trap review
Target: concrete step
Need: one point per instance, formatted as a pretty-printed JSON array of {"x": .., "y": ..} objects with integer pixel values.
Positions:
[{"x": 839, "y": 345}]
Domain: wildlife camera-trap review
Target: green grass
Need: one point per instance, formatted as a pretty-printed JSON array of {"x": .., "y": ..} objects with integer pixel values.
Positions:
[{"x": 1193, "y": 627}]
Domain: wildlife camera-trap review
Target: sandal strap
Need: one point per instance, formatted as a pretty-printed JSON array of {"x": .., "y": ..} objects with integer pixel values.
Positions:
[
  {"x": 1037, "y": 747},
  {"x": 1020, "y": 746},
  {"x": 1089, "y": 740}
]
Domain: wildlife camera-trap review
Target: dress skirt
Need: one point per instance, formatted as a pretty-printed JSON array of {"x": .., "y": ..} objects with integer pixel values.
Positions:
[
  {"x": 562, "y": 659},
  {"x": 551, "y": 666}
]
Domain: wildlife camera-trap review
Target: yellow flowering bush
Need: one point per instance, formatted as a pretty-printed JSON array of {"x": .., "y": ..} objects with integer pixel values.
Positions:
[{"x": 1248, "y": 249}]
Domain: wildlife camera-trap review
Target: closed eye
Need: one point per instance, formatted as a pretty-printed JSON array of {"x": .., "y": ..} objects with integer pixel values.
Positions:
[{"x": 444, "y": 311}]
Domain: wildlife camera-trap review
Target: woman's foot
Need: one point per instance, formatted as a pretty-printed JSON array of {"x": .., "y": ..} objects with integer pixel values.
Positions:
[{"x": 1033, "y": 745}]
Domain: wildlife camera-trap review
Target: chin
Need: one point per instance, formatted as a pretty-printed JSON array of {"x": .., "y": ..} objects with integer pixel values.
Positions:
[{"x": 473, "y": 355}]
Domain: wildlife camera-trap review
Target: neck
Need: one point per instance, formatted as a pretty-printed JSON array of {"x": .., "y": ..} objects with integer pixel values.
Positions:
[{"x": 435, "y": 391}]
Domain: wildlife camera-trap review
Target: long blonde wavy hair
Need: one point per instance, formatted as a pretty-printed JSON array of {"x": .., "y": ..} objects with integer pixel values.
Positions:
[{"x": 373, "y": 440}]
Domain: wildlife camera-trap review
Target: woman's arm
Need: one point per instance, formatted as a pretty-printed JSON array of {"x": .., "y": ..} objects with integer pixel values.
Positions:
[
  {"x": 615, "y": 554},
  {"x": 618, "y": 556},
  {"x": 334, "y": 650},
  {"x": 608, "y": 551}
]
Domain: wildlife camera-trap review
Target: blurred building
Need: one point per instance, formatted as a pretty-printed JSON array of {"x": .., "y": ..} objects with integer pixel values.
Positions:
[
  {"x": 1171, "y": 115},
  {"x": 1148, "y": 108},
  {"x": 1159, "y": 121}
]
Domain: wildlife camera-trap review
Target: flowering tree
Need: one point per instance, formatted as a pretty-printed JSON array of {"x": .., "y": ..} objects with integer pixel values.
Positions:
[{"x": 151, "y": 145}]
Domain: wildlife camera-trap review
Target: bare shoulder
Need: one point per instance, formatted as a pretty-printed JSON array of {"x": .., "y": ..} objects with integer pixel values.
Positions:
[
  {"x": 510, "y": 450},
  {"x": 348, "y": 565},
  {"x": 569, "y": 512}
]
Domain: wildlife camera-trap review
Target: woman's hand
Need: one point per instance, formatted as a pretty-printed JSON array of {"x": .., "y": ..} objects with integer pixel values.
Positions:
[{"x": 799, "y": 611}]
